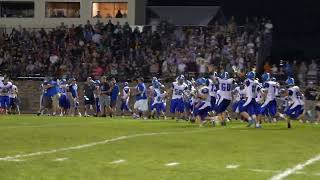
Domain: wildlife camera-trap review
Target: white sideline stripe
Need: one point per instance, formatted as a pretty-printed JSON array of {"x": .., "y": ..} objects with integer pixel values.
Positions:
[
  {"x": 94, "y": 144},
  {"x": 296, "y": 168},
  {"x": 232, "y": 166},
  {"x": 14, "y": 160},
  {"x": 60, "y": 159},
  {"x": 172, "y": 164},
  {"x": 50, "y": 125},
  {"x": 118, "y": 161}
]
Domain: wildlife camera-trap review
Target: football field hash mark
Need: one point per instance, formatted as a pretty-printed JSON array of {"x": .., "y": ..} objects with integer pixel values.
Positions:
[
  {"x": 172, "y": 164},
  {"x": 232, "y": 166},
  {"x": 118, "y": 161},
  {"x": 60, "y": 159}
]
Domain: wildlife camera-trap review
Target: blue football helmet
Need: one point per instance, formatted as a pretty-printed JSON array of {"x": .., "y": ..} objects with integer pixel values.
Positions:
[
  {"x": 125, "y": 84},
  {"x": 265, "y": 77},
  {"x": 97, "y": 82},
  {"x": 251, "y": 75},
  {"x": 224, "y": 75},
  {"x": 290, "y": 82},
  {"x": 201, "y": 81}
]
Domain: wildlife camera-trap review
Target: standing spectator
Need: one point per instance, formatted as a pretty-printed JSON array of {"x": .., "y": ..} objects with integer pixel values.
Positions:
[
  {"x": 104, "y": 99},
  {"x": 312, "y": 74},
  {"x": 288, "y": 69},
  {"x": 267, "y": 67},
  {"x": 115, "y": 92},
  {"x": 274, "y": 69},
  {"x": 89, "y": 100},
  {"x": 182, "y": 67},
  {"x": 302, "y": 70}
]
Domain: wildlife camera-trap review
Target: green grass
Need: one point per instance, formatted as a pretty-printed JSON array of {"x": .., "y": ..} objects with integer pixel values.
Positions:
[{"x": 203, "y": 153}]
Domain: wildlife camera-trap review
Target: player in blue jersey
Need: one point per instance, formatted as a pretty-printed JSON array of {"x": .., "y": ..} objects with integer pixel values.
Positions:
[
  {"x": 115, "y": 92},
  {"x": 64, "y": 101},
  {"x": 53, "y": 91},
  {"x": 73, "y": 91},
  {"x": 141, "y": 104}
]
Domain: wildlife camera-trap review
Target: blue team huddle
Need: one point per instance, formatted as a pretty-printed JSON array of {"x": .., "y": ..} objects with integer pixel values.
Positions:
[{"x": 205, "y": 101}]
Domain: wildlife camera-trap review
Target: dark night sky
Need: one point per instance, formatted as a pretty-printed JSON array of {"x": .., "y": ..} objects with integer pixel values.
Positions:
[{"x": 297, "y": 23}]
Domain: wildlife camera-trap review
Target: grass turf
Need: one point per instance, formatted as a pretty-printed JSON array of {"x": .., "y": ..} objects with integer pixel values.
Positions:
[{"x": 202, "y": 153}]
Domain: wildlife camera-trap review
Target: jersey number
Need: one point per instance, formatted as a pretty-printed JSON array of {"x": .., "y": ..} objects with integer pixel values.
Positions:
[
  {"x": 178, "y": 92},
  {"x": 225, "y": 87}
]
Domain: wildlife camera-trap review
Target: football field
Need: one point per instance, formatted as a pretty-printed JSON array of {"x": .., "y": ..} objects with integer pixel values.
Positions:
[{"x": 68, "y": 148}]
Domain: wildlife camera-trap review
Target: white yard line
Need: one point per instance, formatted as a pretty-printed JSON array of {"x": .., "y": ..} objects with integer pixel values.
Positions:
[
  {"x": 96, "y": 143},
  {"x": 172, "y": 164},
  {"x": 118, "y": 161},
  {"x": 289, "y": 171},
  {"x": 232, "y": 166},
  {"x": 60, "y": 159}
]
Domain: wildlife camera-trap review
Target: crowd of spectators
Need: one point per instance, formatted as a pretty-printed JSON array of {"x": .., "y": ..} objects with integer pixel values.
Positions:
[
  {"x": 125, "y": 51},
  {"x": 306, "y": 73}
]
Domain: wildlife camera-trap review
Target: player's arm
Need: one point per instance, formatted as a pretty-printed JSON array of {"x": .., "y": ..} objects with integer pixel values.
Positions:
[
  {"x": 246, "y": 90},
  {"x": 139, "y": 90}
]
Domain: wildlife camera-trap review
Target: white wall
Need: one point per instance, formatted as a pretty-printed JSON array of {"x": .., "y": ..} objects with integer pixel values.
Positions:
[{"x": 40, "y": 20}]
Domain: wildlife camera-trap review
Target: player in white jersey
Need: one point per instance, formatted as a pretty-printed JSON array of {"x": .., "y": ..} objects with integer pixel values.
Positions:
[
  {"x": 5, "y": 88},
  {"x": 125, "y": 96},
  {"x": 270, "y": 88},
  {"x": 239, "y": 97},
  {"x": 204, "y": 103},
  {"x": 224, "y": 96},
  {"x": 74, "y": 97},
  {"x": 188, "y": 98},
  {"x": 177, "y": 104},
  {"x": 251, "y": 93},
  {"x": 296, "y": 107},
  {"x": 212, "y": 84},
  {"x": 158, "y": 105},
  {"x": 260, "y": 98},
  {"x": 14, "y": 102}
]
